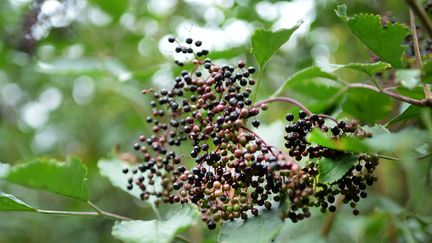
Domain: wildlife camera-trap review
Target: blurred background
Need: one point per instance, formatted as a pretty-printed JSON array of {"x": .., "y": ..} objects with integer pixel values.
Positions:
[{"x": 71, "y": 72}]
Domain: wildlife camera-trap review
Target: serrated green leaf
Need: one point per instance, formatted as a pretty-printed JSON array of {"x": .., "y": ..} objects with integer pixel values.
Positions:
[
  {"x": 331, "y": 170},
  {"x": 304, "y": 74},
  {"x": 342, "y": 144},
  {"x": 155, "y": 231},
  {"x": 384, "y": 40},
  {"x": 367, "y": 68},
  {"x": 9, "y": 202},
  {"x": 408, "y": 78},
  {"x": 266, "y": 42},
  {"x": 68, "y": 179},
  {"x": 411, "y": 112},
  {"x": 262, "y": 228},
  {"x": 111, "y": 168}
]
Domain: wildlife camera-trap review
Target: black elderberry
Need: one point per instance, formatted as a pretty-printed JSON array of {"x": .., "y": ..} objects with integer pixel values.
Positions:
[
  {"x": 211, "y": 225},
  {"x": 189, "y": 40},
  {"x": 302, "y": 114},
  {"x": 289, "y": 117},
  {"x": 171, "y": 39},
  {"x": 255, "y": 123},
  {"x": 251, "y": 70}
]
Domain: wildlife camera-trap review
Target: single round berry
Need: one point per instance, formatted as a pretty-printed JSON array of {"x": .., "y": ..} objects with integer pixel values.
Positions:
[
  {"x": 302, "y": 114},
  {"x": 211, "y": 225},
  {"x": 189, "y": 40},
  {"x": 289, "y": 117},
  {"x": 255, "y": 123},
  {"x": 251, "y": 70},
  {"x": 171, "y": 39},
  {"x": 198, "y": 43}
]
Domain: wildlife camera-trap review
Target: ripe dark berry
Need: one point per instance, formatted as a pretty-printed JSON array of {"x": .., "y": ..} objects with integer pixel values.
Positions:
[
  {"x": 335, "y": 131},
  {"x": 241, "y": 64},
  {"x": 332, "y": 208},
  {"x": 251, "y": 70},
  {"x": 356, "y": 212},
  {"x": 211, "y": 225},
  {"x": 198, "y": 43},
  {"x": 137, "y": 146},
  {"x": 289, "y": 117},
  {"x": 189, "y": 40},
  {"x": 171, "y": 39},
  {"x": 255, "y": 123},
  {"x": 302, "y": 114}
]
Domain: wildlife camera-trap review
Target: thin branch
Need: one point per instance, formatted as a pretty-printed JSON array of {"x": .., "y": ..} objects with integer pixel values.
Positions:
[
  {"x": 328, "y": 117},
  {"x": 399, "y": 159},
  {"x": 422, "y": 15},
  {"x": 422, "y": 103},
  {"x": 68, "y": 213},
  {"x": 387, "y": 157},
  {"x": 99, "y": 213},
  {"x": 107, "y": 214},
  {"x": 426, "y": 89},
  {"x": 293, "y": 102},
  {"x": 283, "y": 99},
  {"x": 257, "y": 136}
]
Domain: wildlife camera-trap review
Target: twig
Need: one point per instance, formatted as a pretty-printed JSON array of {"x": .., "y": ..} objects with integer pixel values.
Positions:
[
  {"x": 257, "y": 136},
  {"x": 398, "y": 159},
  {"x": 107, "y": 214},
  {"x": 68, "y": 213},
  {"x": 422, "y": 103},
  {"x": 426, "y": 89},
  {"x": 98, "y": 213},
  {"x": 328, "y": 117},
  {"x": 421, "y": 13},
  {"x": 283, "y": 99}
]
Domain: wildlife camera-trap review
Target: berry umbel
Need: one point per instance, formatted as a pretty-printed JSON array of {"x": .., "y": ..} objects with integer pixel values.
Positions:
[{"x": 236, "y": 174}]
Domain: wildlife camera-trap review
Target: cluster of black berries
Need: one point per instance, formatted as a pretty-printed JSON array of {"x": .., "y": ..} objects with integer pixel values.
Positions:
[
  {"x": 230, "y": 171},
  {"x": 297, "y": 131},
  {"x": 351, "y": 187}
]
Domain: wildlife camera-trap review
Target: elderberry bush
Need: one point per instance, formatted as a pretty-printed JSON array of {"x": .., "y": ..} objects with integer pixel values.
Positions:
[{"x": 236, "y": 173}]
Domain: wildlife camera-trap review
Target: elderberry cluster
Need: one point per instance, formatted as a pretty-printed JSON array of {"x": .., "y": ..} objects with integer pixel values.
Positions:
[{"x": 229, "y": 171}]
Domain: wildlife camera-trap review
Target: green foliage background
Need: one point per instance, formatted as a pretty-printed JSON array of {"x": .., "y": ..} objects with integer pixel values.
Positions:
[{"x": 76, "y": 91}]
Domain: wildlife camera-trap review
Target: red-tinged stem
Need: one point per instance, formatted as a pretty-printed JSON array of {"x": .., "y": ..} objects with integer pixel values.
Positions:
[
  {"x": 422, "y": 103},
  {"x": 283, "y": 99}
]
